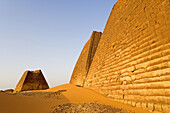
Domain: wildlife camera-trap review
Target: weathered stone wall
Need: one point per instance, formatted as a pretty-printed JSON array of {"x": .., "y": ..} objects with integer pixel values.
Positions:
[
  {"x": 83, "y": 64},
  {"x": 31, "y": 80},
  {"x": 132, "y": 61}
]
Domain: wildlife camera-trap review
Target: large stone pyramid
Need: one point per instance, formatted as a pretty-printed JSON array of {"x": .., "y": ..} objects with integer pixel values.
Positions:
[
  {"x": 31, "y": 80},
  {"x": 132, "y": 61}
]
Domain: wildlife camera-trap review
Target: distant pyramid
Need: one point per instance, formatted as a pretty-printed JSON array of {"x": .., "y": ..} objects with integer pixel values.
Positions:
[{"x": 31, "y": 80}]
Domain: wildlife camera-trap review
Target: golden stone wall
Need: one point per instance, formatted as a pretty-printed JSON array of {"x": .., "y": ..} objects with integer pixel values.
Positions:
[{"x": 132, "y": 61}]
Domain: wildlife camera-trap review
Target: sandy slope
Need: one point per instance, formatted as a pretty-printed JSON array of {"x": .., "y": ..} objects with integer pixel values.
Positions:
[
  {"x": 82, "y": 95},
  {"x": 42, "y": 101},
  {"x": 19, "y": 104}
]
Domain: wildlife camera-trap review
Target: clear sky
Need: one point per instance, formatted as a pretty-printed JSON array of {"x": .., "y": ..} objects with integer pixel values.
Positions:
[{"x": 47, "y": 35}]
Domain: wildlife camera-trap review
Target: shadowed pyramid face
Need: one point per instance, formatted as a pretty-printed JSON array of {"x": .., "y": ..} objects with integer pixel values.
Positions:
[
  {"x": 32, "y": 80},
  {"x": 83, "y": 64}
]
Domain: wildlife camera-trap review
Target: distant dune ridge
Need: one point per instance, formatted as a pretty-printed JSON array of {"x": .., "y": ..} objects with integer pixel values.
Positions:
[
  {"x": 32, "y": 80},
  {"x": 131, "y": 63}
]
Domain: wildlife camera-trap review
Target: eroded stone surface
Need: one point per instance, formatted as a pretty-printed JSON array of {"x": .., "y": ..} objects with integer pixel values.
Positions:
[
  {"x": 132, "y": 60},
  {"x": 31, "y": 80}
]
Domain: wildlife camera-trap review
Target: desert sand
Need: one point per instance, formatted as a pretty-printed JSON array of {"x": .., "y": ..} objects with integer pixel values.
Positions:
[{"x": 46, "y": 101}]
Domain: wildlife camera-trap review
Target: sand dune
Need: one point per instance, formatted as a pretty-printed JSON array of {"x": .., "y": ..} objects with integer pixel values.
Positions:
[
  {"x": 44, "y": 101},
  {"x": 21, "y": 104}
]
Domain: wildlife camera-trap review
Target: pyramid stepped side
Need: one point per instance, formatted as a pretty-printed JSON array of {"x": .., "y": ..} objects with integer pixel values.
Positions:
[
  {"x": 132, "y": 61},
  {"x": 32, "y": 80},
  {"x": 83, "y": 64}
]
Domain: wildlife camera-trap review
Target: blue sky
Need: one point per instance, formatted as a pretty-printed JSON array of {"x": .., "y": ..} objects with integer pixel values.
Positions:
[{"x": 47, "y": 35}]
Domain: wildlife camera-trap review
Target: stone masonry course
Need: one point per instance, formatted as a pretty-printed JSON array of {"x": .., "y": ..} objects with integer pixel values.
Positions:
[{"x": 131, "y": 64}]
